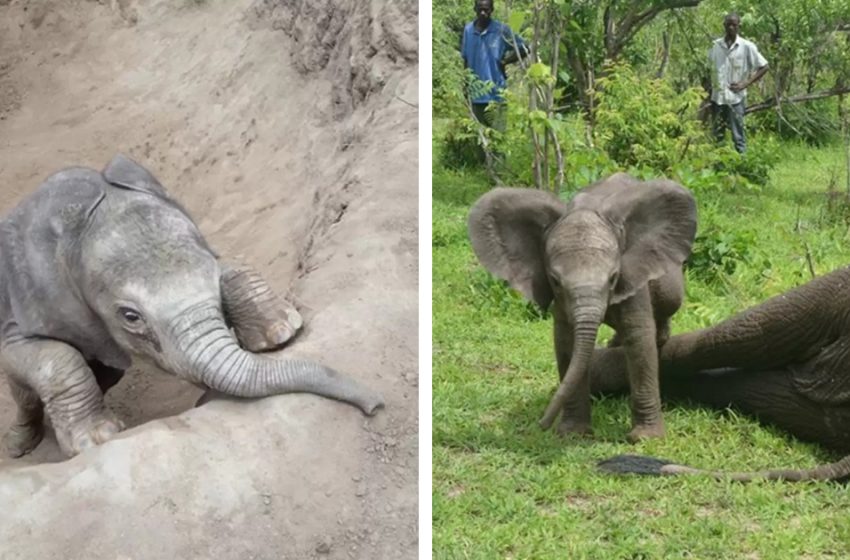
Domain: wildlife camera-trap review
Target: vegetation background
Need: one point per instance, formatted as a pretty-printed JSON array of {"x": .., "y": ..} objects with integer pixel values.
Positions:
[{"x": 619, "y": 85}]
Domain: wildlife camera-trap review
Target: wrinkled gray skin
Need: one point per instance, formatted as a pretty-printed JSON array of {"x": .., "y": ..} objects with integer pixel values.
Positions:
[
  {"x": 96, "y": 268},
  {"x": 786, "y": 361},
  {"x": 613, "y": 255}
]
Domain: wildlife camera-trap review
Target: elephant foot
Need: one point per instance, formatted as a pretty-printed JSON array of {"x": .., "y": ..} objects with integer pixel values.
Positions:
[
  {"x": 97, "y": 429},
  {"x": 569, "y": 428},
  {"x": 267, "y": 333},
  {"x": 261, "y": 319},
  {"x": 641, "y": 432},
  {"x": 21, "y": 439}
]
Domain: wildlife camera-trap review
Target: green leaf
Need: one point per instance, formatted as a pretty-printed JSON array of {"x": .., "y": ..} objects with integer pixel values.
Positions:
[
  {"x": 515, "y": 20},
  {"x": 540, "y": 73}
]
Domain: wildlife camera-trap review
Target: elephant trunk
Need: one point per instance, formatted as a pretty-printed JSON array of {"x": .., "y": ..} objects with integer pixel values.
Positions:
[
  {"x": 208, "y": 353},
  {"x": 587, "y": 317},
  {"x": 638, "y": 464}
]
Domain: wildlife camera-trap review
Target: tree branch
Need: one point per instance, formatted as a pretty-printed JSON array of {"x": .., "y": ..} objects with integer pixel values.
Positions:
[
  {"x": 633, "y": 22},
  {"x": 665, "y": 54},
  {"x": 797, "y": 99}
]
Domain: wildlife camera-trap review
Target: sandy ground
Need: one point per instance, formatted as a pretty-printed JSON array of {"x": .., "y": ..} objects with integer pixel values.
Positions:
[{"x": 289, "y": 131}]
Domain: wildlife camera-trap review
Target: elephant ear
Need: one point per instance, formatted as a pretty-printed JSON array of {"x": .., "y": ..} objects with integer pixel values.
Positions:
[
  {"x": 657, "y": 222},
  {"x": 507, "y": 230},
  {"x": 124, "y": 172}
]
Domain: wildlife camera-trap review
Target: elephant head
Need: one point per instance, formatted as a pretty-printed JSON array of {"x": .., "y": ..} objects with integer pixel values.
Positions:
[
  {"x": 141, "y": 264},
  {"x": 613, "y": 238}
]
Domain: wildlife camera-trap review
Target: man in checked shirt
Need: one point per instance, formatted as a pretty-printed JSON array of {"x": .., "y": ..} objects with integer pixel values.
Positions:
[{"x": 736, "y": 64}]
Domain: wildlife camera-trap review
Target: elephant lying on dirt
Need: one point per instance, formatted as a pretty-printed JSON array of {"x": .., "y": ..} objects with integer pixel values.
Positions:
[
  {"x": 96, "y": 268},
  {"x": 614, "y": 254},
  {"x": 786, "y": 361}
]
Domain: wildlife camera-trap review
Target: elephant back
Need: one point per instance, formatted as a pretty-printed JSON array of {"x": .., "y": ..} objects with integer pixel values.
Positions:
[{"x": 38, "y": 241}]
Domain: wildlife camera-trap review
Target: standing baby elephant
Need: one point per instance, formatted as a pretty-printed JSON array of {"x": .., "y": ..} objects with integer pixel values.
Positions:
[
  {"x": 96, "y": 268},
  {"x": 613, "y": 255}
]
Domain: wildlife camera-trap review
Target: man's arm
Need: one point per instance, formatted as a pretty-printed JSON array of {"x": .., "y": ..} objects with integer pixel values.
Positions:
[
  {"x": 515, "y": 47},
  {"x": 740, "y": 86}
]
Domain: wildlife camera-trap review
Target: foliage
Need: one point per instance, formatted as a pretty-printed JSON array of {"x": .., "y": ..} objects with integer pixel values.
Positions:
[
  {"x": 491, "y": 295},
  {"x": 643, "y": 123},
  {"x": 659, "y": 38},
  {"x": 717, "y": 253},
  {"x": 813, "y": 123},
  {"x": 448, "y": 77},
  {"x": 642, "y": 126}
]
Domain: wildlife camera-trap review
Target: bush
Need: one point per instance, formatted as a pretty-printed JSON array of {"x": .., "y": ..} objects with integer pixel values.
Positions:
[
  {"x": 496, "y": 296},
  {"x": 755, "y": 165},
  {"x": 644, "y": 123},
  {"x": 814, "y": 122},
  {"x": 460, "y": 146},
  {"x": 717, "y": 253}
]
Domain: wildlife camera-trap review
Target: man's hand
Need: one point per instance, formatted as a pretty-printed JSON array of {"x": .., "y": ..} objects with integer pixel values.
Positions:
[{"x": 740, "y": 86}]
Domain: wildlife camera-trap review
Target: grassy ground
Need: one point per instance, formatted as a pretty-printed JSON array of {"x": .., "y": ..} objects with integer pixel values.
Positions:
[{"x": 504, "y": 489}]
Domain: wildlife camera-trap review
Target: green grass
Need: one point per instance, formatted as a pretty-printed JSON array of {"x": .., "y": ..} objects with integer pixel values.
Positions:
[{"x": 502, "y": 488}]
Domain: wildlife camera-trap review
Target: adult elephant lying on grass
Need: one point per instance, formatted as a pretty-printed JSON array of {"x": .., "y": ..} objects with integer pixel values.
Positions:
[{"x": 786, "y": 361}]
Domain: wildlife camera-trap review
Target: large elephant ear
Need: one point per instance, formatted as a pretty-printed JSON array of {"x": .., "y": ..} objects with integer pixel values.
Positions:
[
  {"x": 124, "y": 172},
  {"x": 658, "y": 220},
  {"x": 507, "y": 229}
]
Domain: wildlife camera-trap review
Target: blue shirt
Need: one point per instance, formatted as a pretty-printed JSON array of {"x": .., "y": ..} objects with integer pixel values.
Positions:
[{"x": 483, "y": 50}]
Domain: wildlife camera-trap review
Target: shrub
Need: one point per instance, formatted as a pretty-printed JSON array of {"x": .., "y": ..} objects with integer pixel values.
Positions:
[
  {"x": 497, "y": 296},
  {"x": 644, "y": 123}
]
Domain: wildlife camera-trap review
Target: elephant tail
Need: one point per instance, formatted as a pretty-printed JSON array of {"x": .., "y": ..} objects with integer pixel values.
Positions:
[{"x": 637, "y": 464}]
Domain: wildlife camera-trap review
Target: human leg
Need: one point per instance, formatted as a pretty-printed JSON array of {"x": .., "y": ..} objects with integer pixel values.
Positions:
[
  {"x": 735, "y": 118},
  {"x": 479, "y": 110}
]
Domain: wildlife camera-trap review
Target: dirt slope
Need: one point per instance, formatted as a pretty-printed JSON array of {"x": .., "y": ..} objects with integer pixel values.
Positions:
[{"x": 289, "y": 131}]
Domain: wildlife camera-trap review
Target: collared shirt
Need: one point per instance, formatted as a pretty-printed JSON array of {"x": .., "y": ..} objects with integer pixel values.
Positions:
[
  {"x": 483, "y": 51},
  {"x": 732, "y": 64}
]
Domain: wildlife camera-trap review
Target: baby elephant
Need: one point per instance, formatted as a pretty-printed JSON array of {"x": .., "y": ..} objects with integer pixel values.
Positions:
[
  {"x": 96, "y": 268},
  {"x": 614, "y": 254}
]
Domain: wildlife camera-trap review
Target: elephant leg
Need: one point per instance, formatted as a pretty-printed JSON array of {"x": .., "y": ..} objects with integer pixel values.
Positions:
[
  {"x": 662, "y": 331},
  {"x": 789, "y": 328},
  {"x": 28, "y": 430},
  {"x": 60, "y": 377},
  {"x": 667, "y": 295},
  {"x": 608, "y": 374},
  {"x": 261, "y": 320},
  {"x": 772, "y": 396},
  {"x": 106, "y": 376},
  {"x": 575, "y": 414},
  {"x": 636, "y": 321}
]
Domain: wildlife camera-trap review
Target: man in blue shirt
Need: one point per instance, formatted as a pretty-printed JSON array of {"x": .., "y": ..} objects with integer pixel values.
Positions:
[{"x": 487, "y": 46}]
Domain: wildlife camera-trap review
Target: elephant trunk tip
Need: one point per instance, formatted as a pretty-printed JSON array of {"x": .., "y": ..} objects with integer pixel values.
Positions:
[
  {"x": 548, "y": 419},
  {"x": 635, "y": 464},
  {"x": 371, "y": 408},
  {"x": 555, "y": 405}
]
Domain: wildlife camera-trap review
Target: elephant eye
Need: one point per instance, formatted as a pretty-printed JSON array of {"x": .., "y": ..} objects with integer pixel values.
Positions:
[
  {"x": 130, "y": 315},
  {"x": 612, "y": 280}
]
